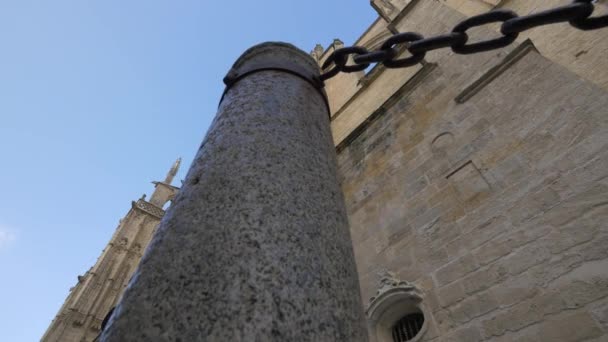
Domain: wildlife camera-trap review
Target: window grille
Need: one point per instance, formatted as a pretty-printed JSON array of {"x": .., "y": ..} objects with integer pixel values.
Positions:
[{"x": 408, "y": 327}]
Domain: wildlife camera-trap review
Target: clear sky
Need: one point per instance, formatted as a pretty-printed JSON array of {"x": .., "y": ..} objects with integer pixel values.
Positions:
[{"x": 97, "y": 99}]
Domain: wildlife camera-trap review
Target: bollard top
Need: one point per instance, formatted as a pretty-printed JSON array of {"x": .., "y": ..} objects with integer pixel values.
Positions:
[
  {"x": 275, "y": 56},
  {"x": 277, "y": 51}
]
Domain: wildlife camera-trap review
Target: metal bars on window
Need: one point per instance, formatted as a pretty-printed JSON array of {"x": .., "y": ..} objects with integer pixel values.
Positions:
[{"x": 408, "y": 327}]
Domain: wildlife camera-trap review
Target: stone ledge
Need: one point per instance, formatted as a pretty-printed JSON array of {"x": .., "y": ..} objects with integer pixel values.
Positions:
[{"x": 513, "y": 57}]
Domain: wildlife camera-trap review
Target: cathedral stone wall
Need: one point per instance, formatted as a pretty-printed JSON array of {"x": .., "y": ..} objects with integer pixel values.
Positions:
[
  {"x": 483, "y": 180},
  {"x": 496, "y": 207},
  {"x": 100, "y": 288},
  {"x": 583, "y": 52},
  {"x": 97, "y": 291}
]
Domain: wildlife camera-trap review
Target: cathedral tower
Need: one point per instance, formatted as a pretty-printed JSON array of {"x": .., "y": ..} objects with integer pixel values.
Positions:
[{"x": 99, "y": 289}]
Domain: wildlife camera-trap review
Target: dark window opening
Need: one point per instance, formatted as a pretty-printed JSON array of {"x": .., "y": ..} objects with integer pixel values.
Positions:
[
  {"x": 107, "y": 318},
  {"x": 408, "y": 327}
]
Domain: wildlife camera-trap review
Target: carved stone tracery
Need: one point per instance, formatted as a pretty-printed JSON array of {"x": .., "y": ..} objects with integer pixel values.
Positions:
[
  {"x": 394, "y": 299},
  {"x": 79, "y": 319},
  {"x": 149, "y": 208}
]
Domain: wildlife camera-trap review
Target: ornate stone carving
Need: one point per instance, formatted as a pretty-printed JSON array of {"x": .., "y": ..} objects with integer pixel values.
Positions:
[
  {"x": 390, "y": 284},
  {"x": 337, "y": 44},
  {"x": 102, "y": 285},
  {"x": 137, "y": 248},
  {"x": 394, "y": 299},
  {"x": 123, "y": 242},
  {"x": 317, "y": 52},
  {"x": 149, "y": 208}
]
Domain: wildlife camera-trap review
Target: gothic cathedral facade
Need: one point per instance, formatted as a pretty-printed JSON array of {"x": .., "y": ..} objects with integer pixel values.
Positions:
[
  {"x": 476, "y": 187},
  {"x": 99, "y": 289}
]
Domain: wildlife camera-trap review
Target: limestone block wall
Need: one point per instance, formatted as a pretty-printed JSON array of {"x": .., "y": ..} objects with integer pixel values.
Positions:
[
  {"x": 99, "y": 289},
  {"x": 583, "y": 52},
  {"x": 484, "y": 181},
  {"x": 343, "y": 85},
  {"x": 496, "y": 207}
]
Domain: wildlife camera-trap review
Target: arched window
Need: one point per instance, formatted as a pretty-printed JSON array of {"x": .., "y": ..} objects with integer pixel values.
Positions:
[
  {"x": 396, "y": 313},
  {"x": 107, "y": 318}
]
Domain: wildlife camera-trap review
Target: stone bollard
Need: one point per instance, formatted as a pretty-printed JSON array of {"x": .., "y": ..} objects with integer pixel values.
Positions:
[{"x": 256, "y": 246}]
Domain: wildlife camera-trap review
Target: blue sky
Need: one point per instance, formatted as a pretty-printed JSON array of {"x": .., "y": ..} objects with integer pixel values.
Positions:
[{"x": 97, "y": 99}]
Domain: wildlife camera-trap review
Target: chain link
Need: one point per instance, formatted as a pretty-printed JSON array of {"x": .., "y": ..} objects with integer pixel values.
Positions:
[{"x": 578, "y": 14}]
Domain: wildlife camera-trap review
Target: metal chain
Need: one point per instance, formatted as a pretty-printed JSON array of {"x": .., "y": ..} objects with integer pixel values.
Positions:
[{"x": 578, "y": 14}]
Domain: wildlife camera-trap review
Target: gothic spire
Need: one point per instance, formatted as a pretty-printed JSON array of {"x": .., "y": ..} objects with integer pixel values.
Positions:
[{"x": 173, "y": 171}]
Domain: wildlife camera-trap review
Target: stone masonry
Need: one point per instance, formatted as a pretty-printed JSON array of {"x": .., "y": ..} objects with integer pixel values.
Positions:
[
  {"x": 99, "y": 289},
  {"x": 479, "y": 183},
  {"x": 482, "y": 179}
]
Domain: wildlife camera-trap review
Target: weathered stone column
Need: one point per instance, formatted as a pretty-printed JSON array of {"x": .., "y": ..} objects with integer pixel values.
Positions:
[{"x": 256, "y": 246}]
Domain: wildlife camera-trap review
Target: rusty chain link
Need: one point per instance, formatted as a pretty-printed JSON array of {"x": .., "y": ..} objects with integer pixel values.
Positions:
[{"x": 578, "y": 14}]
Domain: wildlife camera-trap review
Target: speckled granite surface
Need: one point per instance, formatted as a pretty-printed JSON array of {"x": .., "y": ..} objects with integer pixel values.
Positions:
[{"x": 256, "y": 246}]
